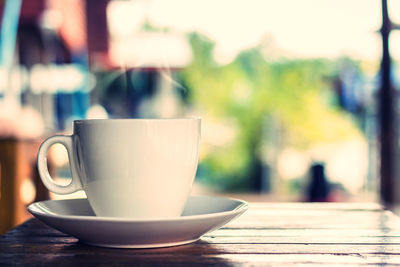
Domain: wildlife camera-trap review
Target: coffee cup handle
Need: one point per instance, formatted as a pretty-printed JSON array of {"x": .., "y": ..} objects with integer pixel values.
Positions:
[{"x": 44, "y": 174}]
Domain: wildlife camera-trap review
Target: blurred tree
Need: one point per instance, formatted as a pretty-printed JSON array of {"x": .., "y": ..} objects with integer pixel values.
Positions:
[{"x": 244, "y": 94}]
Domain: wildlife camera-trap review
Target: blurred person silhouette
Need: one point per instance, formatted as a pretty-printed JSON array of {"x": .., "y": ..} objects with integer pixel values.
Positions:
[{"x": 319, "y": 188}]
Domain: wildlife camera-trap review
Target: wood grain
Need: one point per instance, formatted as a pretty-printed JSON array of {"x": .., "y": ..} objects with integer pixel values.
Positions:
[{"x": 268, "y": 234}]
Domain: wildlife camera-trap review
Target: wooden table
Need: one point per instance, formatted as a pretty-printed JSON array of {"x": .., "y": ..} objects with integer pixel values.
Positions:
[{"x": 267, "y": 234}]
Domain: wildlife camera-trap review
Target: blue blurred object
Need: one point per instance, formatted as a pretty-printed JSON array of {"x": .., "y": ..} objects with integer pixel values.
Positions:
[
  {"x": 74, "y": 105},
  {"x": 8, "y": 32}
]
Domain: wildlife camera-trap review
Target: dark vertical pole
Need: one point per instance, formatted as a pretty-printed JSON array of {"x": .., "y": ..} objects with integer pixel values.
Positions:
[
  {"x": 388, "y": 120},
  {"x": 96, "y": 23}
]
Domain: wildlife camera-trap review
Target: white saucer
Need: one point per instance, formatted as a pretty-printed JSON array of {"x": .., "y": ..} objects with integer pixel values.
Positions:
[{"x": 75, "y": 217}]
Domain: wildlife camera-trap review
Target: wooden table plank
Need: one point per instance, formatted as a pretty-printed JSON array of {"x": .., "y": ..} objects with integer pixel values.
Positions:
[
  {"x": 301, "y": 234},
  {"x": 316, "y": 219},
  {"x": 316, "y": 206},
  {"x": 307, "y": 232}
]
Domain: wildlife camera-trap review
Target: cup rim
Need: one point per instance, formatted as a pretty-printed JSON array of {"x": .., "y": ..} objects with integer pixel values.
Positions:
[{"x": 135, "y": 120}]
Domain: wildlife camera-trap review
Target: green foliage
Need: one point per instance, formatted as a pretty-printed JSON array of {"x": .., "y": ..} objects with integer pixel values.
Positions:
[{"x": 248, "y": 92}]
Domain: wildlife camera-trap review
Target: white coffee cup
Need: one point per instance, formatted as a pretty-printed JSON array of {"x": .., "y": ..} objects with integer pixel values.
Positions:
[{"x": 134, "y": 168}]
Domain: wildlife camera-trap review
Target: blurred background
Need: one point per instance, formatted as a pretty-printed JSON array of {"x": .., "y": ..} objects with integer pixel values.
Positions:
[{"x": 292, "y": 94}]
